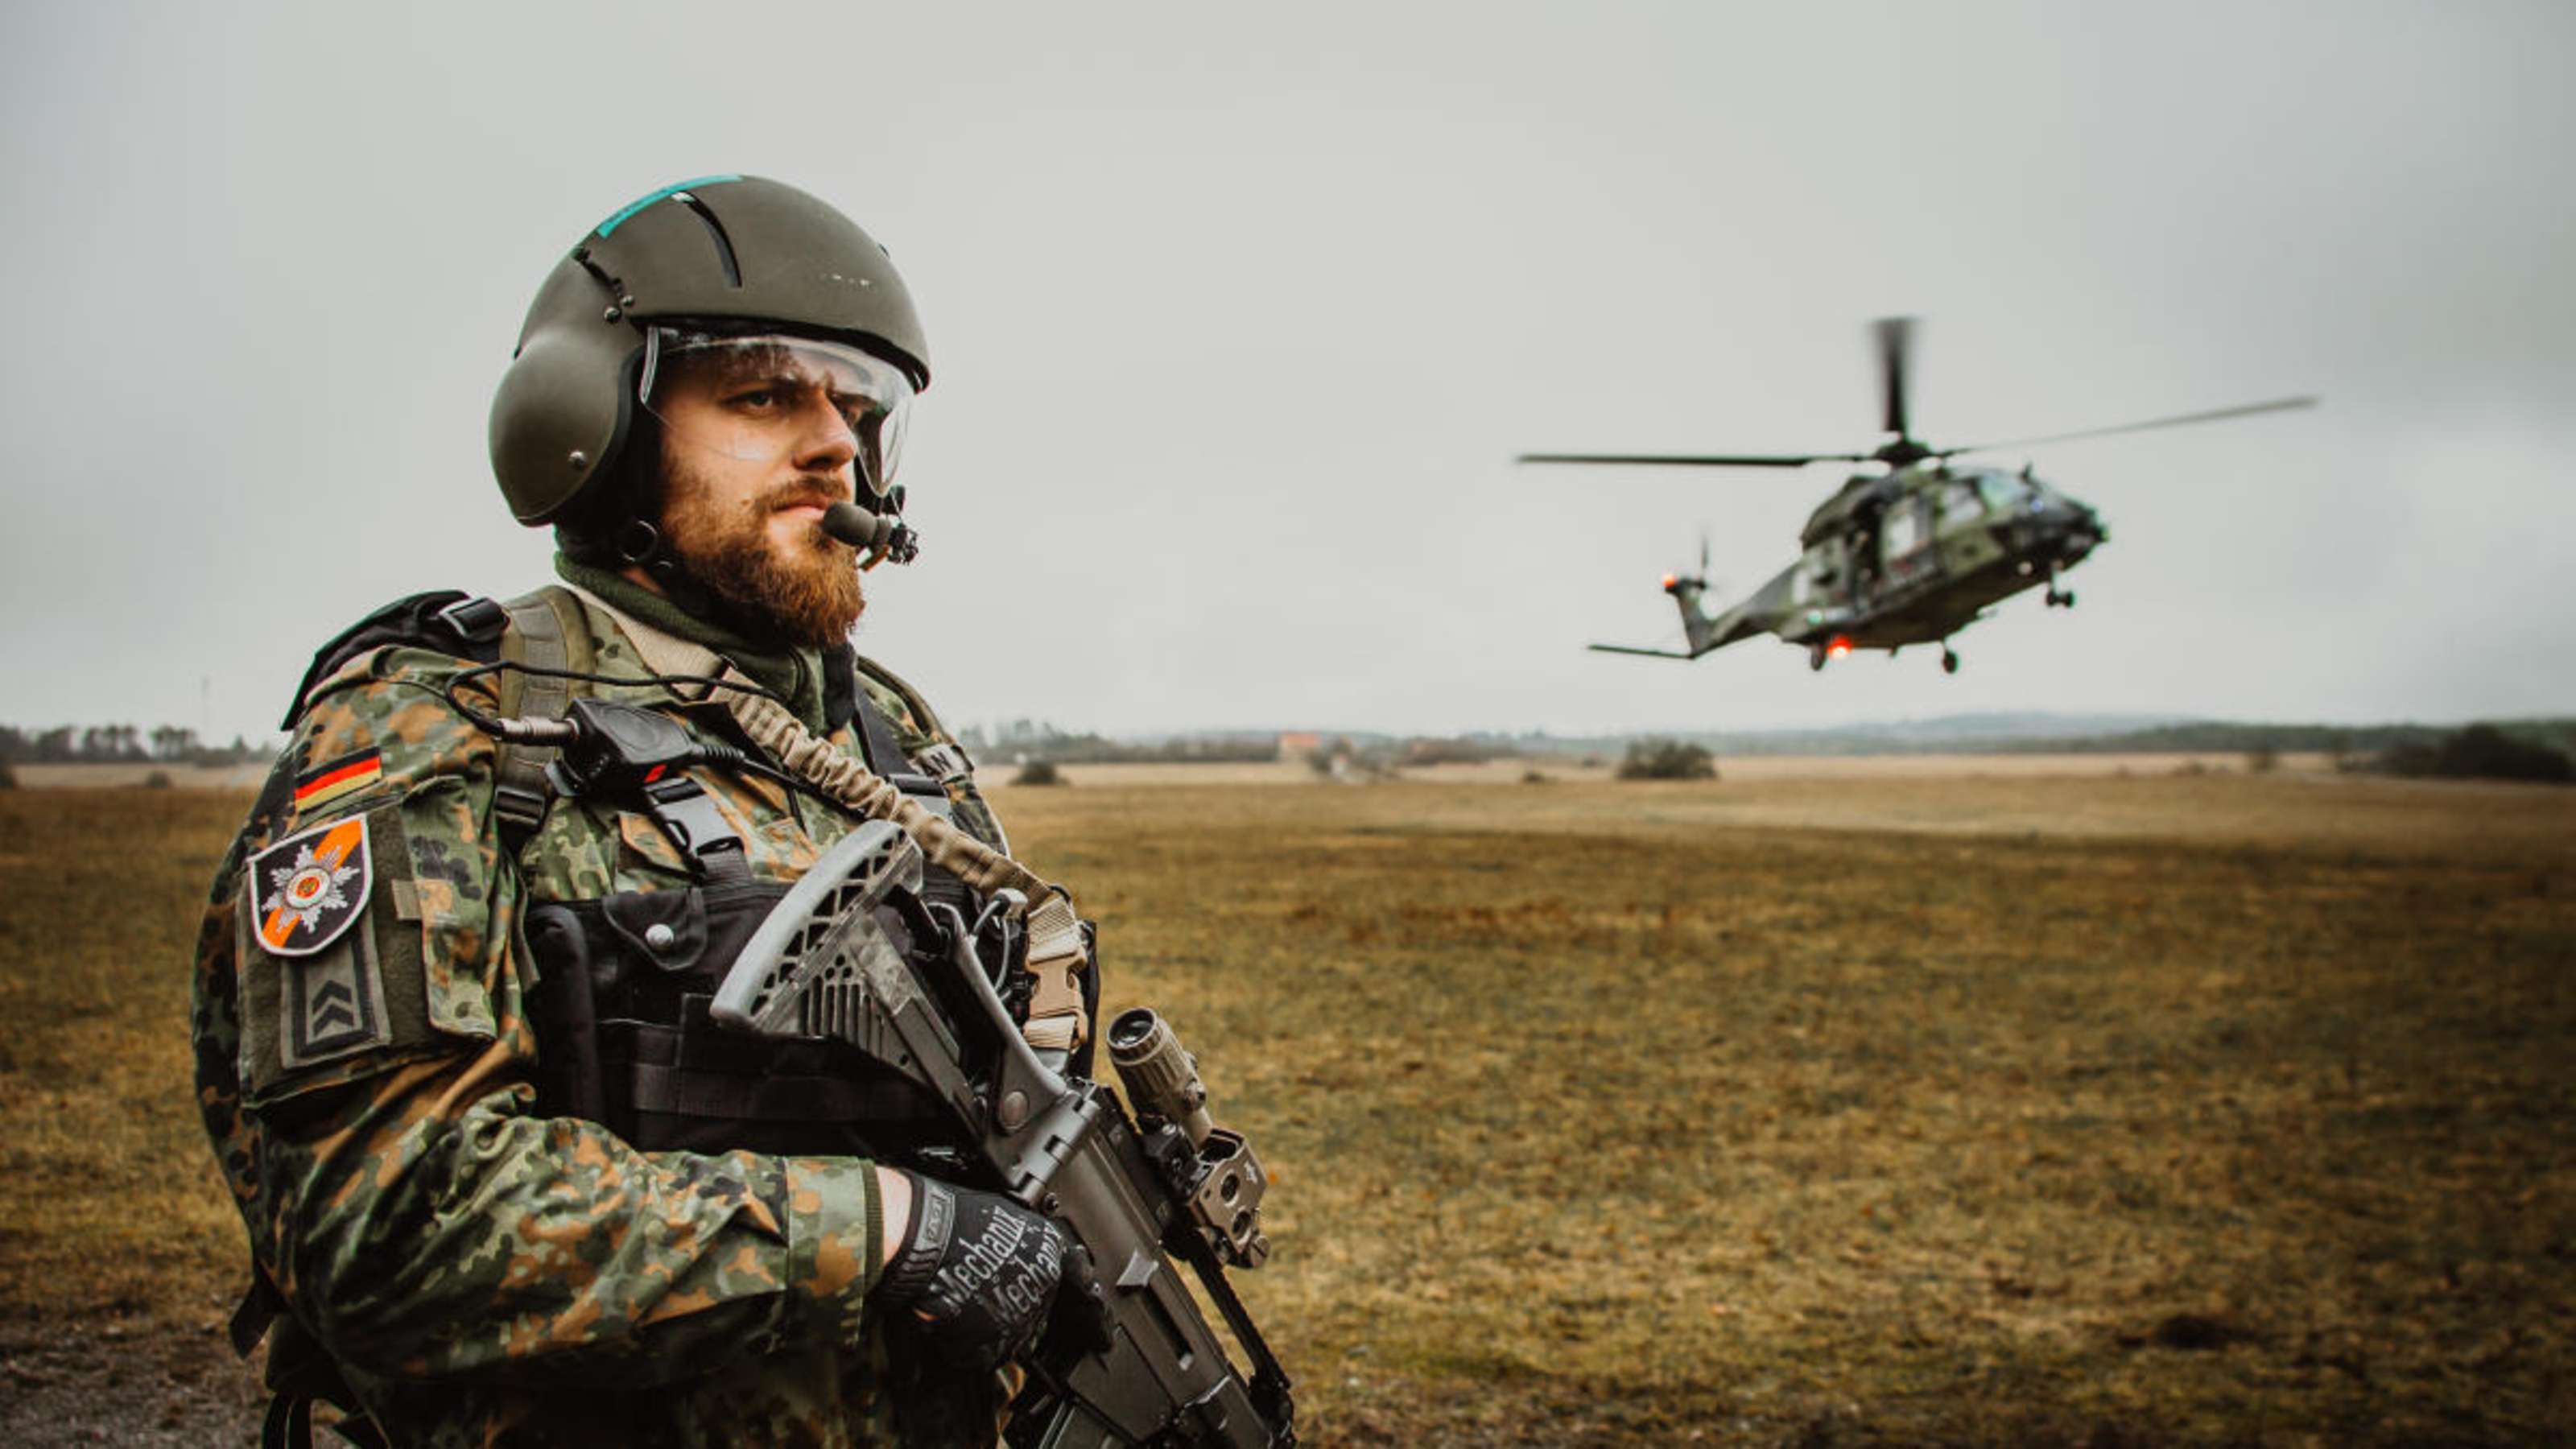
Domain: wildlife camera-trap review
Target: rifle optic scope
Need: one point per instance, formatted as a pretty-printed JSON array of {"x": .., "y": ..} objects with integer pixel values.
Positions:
[
  {"x": 1226, "y": 1183},
  {"x": 1161, "y": 1079}
]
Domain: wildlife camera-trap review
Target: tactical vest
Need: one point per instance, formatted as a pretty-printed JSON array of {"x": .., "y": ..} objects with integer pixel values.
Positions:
[{"x": 624, "y": 1038}]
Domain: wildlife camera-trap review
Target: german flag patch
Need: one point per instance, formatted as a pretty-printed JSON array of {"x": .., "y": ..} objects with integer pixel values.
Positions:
[{"x": 337, "y": 779}]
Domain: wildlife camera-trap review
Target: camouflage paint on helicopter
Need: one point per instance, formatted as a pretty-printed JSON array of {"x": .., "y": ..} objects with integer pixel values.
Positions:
[{"x": 1910, "y": 555}]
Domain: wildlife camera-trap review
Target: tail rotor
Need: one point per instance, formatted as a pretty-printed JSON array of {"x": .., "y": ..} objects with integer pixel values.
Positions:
[{"x": 1696, "y": 582}]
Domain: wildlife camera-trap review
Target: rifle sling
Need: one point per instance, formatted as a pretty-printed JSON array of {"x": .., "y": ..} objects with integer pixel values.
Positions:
[{"x": 1056, "y": 955}]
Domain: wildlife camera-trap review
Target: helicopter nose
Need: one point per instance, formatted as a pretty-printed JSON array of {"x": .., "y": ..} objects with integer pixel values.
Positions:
[{"x": 2064, "y": 512}]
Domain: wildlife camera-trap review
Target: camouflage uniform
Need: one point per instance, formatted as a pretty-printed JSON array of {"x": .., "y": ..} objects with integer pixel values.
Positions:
[{"x": 481, "y": 1273}]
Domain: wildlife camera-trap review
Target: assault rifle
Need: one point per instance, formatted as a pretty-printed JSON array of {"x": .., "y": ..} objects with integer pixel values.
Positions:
[{"x": 855, "y": 954}]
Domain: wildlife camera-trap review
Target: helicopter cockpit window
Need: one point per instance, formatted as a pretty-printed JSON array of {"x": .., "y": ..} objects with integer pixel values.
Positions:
[
  {"x": 2004, "y": 492},
  {"x": 1959, "y": 500},
  {"x": 1902, "y": 530}
]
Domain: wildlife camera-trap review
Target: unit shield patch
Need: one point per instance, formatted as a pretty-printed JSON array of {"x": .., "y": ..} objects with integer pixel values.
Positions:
[
  {"x": 306, "y": 892},
  {"x": 307, "y": 889}
]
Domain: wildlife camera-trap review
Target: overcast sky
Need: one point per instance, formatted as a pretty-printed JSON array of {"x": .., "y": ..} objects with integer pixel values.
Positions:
[{"x": 1238, "y": 315}]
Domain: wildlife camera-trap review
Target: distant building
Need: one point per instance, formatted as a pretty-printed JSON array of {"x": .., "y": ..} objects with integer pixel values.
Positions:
[{"x": 1297, "y": 744}]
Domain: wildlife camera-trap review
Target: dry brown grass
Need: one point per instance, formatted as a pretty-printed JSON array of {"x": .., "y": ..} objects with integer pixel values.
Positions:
[
  {"x": 1733, "y": 767},
  {"x": 120, "y": 1254},
  {"x": 111, "y": 1201},
  {"x": 2112, "y": 1110},
  {"x": 1623, "y": 1112}
]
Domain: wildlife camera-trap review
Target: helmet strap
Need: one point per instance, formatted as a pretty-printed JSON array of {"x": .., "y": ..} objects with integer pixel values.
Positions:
[
  {"x": 641, "y": 545},
  {"x": 639, "y": 542}
]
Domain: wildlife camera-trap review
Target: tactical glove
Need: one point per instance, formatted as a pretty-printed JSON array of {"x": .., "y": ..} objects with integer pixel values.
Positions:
[{"x": 979, "y": 1270}]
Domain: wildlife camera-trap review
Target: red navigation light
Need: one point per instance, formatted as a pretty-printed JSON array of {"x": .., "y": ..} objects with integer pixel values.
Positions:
[
  {"x": 1840, "y": 646},
  {"x": 1671, "y": 579}
]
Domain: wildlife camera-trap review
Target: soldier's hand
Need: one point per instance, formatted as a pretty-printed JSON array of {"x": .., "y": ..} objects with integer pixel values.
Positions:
[{"x": 979, "y": 1270}]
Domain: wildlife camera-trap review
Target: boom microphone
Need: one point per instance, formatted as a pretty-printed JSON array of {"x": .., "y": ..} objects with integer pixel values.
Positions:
[
  {"x": 857, "y": 527},
  {"x": 879, "y": 535}
]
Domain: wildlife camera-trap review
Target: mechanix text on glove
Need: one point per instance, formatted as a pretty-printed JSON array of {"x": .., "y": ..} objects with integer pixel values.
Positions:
[{"x": 980, "y": 1270}]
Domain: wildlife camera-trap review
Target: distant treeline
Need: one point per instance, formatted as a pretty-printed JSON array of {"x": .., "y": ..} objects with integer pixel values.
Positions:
[
  {"x": 1095, "y": 750},
  {"x": 2532, "y": 749},
  {"x": 2480, "y": 752},
  {"x": 1377, "y": 756},
  {"x": 1961, "y": 737},
  {"x": 1048, "y": 745},
  {"x": 120, "y": 745},
  {"x": 2219, "y": 737}
]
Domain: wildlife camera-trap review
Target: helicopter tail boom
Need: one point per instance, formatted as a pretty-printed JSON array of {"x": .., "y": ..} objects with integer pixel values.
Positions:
[
  {"x": 1649, "y": 653},
  {"x": 1703, "y": 631}
]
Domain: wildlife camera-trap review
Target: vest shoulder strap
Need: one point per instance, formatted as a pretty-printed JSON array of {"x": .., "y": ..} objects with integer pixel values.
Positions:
[
  {"x": 546, "y": 632},
  {"x": 944, "y": 760},
  {"x": 885, "y": 753},
  {"x": 913, "y": 701}
]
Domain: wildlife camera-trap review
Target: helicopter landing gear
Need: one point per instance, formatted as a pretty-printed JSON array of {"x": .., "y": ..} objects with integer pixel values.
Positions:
[
  {"x": 1816, "y": 657},
  {"x": 2059, "y": 598},
  {"x": 1949, "y": 660}
]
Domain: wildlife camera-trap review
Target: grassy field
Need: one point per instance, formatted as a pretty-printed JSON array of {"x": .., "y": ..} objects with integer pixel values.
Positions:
[{"x": 2110, "y": 1110}]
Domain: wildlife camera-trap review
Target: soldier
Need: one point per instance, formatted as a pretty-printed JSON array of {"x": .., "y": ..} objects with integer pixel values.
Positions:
[{"x": 503, "y": 1180}]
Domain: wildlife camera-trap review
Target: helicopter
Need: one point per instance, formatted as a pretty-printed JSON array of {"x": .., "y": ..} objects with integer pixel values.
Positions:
[{"x": 1910, "y": 553}]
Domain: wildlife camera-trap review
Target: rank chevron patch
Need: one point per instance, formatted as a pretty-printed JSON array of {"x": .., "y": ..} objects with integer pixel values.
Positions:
[{"x": 332, "y": 1004}]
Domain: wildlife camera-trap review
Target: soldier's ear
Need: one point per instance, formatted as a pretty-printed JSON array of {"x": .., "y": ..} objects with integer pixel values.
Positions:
[{"x": 596, "y": 529}]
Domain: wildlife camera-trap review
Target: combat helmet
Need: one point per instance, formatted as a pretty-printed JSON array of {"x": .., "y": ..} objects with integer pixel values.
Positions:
[{"x": 714, "y": 256}]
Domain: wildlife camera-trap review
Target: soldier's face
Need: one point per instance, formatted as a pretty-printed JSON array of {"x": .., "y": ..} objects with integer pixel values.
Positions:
[{"x": 751, "y": 456}]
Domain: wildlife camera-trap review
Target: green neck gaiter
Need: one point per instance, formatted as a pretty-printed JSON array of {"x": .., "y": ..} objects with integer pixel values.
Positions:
[{"x": 795, "y": 675}]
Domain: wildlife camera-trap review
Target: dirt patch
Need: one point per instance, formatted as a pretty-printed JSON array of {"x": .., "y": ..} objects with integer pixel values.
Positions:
[{"x": 108, "y": 1381}]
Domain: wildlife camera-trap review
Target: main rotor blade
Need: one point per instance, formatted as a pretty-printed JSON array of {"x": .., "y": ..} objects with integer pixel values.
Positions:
[
  {"x": 1895, "y": 343},
  {"x": 1726, "y": 460},
  {"x": 2280, "y": 404}
]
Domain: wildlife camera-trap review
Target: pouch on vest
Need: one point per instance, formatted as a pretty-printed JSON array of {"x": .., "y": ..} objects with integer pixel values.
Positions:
[{"x": 625, "y": 1040}]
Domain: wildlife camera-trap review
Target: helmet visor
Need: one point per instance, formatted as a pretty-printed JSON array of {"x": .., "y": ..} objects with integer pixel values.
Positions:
[{"x": 768, "y": 397}]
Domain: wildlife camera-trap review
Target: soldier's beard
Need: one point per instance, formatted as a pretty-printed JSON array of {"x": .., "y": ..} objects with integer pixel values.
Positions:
[{"x": 807, "y": 593}]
